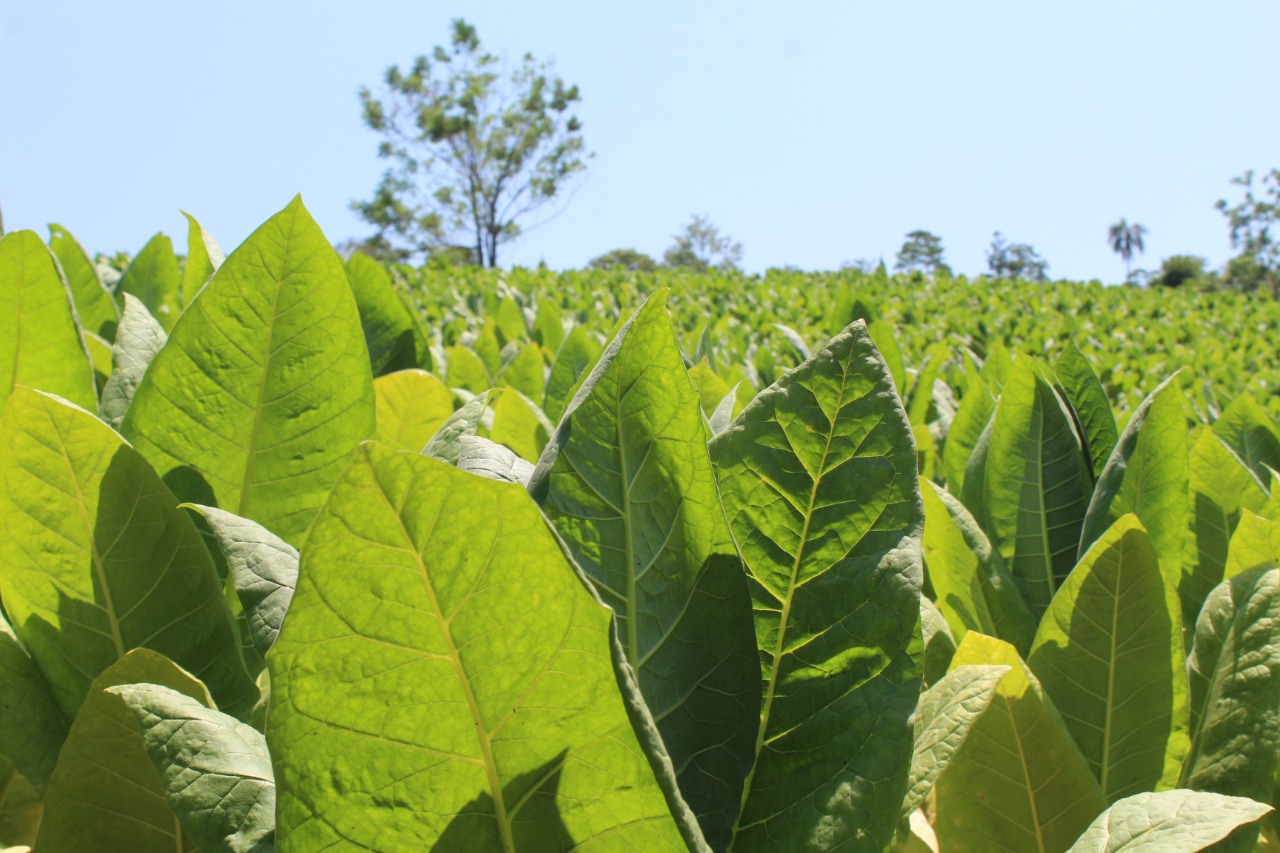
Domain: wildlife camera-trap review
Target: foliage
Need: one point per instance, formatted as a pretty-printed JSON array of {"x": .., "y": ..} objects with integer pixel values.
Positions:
[
  {"x": 1180, "y": 271},
  {"x": 1015, "y": 260},
  {"x": 1251, "y": 221},
  {"x": 700, "y": 247},
  {"x": 476, "y": 151},
  {"x": 921, "y": 251},
  {"x": 807, "y": 562},
  {"x": 627, "y": 259},
  {"x": 1125, "y": 239}
]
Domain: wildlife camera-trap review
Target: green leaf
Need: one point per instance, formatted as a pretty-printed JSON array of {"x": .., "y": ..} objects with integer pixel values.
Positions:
[
  {"x": 524, "y": 372},
  {"x": 1148, "y": 475},
  {"x": 939, "y": 643},
  {"x": 32, "y": 727},
  {"x": 722, "y": 415},
  {"x": 20, "y": 810},
  {"x": 578, "y": 352},
  {"x": 1234, "y": 673},
  {"x": 970, "y": 583},
  {"x": 548, "y": 329},
  {"x": 1255, "y": 542},
  {"x": 1109, "y": 653},
  {"x": 98, "y": 311},
  {"x": 1018, "y": 782},
  {"x": 1251, "y": 435},
  {"x": 204, "y": 256},
  {"x": 444, "y": 679},
  {"x": 154, "y": 278},
  {"x": 509, "y": 320},
  {"x": 1222, "y": 486},
  {"x": 943, "y": 720},
  {"x": 1168, "y": 822},
  {"x": 921, "y": 397},
  {"x": 466, "y": 370},
  {"x": 887, "y": 344},
  {"x": 100, "y": 358},
  {"x": 40, "y": 341},
  {"x": 105, "y": 794},
  {"x": 445, "y": 445},
  {"x": 976, "y": 408},
  {"x": 264, "y": 389},
  {"x": 138, "y": 339},
  {"x": 388, "y": 328},
  {"x": 412, "y": 405},
  {"x": 627, "y": 482},
  {"x": 264, "y": 570},
  {"x": 818, "y": 477},
  {"x": 97, "y": 559},
  {"x": 710, "y": 387},
  {"x": 215, "y": 771},
  {"x": 518, "y": 424},
  {"x": 1037, "y": 485},
  {"x": 488, "y": 459},
  {"x": 1083, "y": 391}
]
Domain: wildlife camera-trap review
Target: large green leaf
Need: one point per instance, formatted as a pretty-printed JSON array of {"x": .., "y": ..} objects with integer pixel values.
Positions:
[
  {"x": 96, "y": 558},
  {"x": 40, "y": 341},
  {"x": 20, "y": 810},
  {"x": 412, "y": 405},
  {"x": 1037, "y": 484},
  {"x": 1147, "y": 475},
  {"x": 98, "y": 311},
  {"x": 1109, "y": 653},
  {"x": 154, "y": 278},
  {"x": 1234, "y": 673},
  {"x": 627, "y": 482},
  {"x": 204, "y": 256},
  {"x": 445, "y": 679},
  {"x": 388, "y": 328},
  {"x": 1089, "y": 403},
  {"x": 1222, "y": 487},
  {"x": 578, "y": 352},
  {"x": 972, "y": 587},
  {"x": 1251, "y": 434},
  {"x": 943, "y": 720},
  {"x": 264, "y": 388},
  {"x": 524, "y": 372},
  {"x": 466, "y": 370},
  {"x": 32, "y": 727},
  {"x": 105, "y": 793},
  {"x": 1178, "y": 821},
  {"x": 488, "y": 459},
  {"x": 264, "y": 571},
  {"x": 215, "y": 770},
  {"x": 138, "y": 339},
  {"x": 1255, "y": 542},
  {"x": 976, "y": 408},
  {"x": 1018, "y": 783},
  {"x": 818, "y": 476},
  {"x": 445, "y": 445}
]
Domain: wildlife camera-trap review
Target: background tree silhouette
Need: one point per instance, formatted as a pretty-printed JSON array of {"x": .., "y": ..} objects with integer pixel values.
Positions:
[{"x": 1124, "y": 240}]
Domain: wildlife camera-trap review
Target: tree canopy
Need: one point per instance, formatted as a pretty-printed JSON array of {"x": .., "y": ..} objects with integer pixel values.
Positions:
[
  {"x": 701, "y": 246},
  {"x": 481, "y": 149},
  {"x": 921, "y": 251}
]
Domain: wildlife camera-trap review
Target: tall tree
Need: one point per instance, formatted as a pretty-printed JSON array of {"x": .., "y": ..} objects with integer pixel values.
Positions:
[
  {"x": 701, "y": 246},
  {"x": 1251, "y": 221},
  {"x": 476, "y": 150},
  {"x": 1125, "y": 239},
  {"x": 921, "y": 251},
  {"x": 1015, "y": 260}
]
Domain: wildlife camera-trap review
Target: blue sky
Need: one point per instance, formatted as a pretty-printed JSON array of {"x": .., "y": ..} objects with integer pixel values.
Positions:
[{"x": 815, "y": 135}]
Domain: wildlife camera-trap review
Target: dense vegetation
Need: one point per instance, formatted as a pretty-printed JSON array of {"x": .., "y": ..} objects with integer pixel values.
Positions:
[{"x": 310, "y": 554}]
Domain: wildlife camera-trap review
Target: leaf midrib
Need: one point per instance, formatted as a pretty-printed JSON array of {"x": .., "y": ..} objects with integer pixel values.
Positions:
[
  {"x": 1026, "y": 774},
  {"x": 446, "y": 631},
  {"x": 766, "y": 706}
]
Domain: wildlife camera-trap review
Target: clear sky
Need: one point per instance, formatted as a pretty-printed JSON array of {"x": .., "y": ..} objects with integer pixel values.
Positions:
[{"x": 815, "y": 134}]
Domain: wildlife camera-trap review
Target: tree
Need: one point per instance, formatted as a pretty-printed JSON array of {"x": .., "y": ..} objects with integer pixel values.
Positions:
[
  {"x": 1251, "y": 221},
  {"x": 922, "y": 251},
  {"x": 1124, "y": 240},
  {"x": 1015, "y": 260},
  {"x": 1180, "y": 270},
  {"x": 476, "y": 151},
  {"x": 700, "y": 247},
  {"x": 627, "y": 259}
]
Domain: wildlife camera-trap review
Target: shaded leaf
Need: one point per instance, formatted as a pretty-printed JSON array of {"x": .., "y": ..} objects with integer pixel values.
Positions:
[
  {"x": 488, "y": 459},
  {"x": 138, "y": 339},
  {"x": 388, "y": 328},
  {"x": 445, "y": 445},
  {"x": 153, "y": 277},
  {"x": 32, "y": 727}
]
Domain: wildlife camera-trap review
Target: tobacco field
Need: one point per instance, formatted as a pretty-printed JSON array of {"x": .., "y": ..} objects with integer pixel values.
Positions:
[{"x": 301, "y": 552}]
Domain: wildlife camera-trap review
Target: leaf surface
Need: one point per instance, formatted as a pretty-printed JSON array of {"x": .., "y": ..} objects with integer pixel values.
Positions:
[
  {"x": 1109, "y": 653},
  {"x": 153, "y": 277},
  {"x": 32, "y": 727},
  {"x": 818, "y": 477},
  {"x": 411, "y": 406},
  {"x": 263, "y": 389},
  {"x": 388, "y": 328},
  {"x": 204, "y": 256},
  {"x": 138, "y": 339},
  {"x": 98, "y": 311},
  {"x": 444, "y": 679},
  {"x": 1083, "y": 390},
  {"x": 1178, "y": 821},
  {"x": 40, "y": 341},
  {"x": 98, "y": 560},
  {"x": 488, "y": 459}
]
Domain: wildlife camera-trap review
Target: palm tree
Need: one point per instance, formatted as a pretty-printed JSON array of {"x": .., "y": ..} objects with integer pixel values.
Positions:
[{"x": 1124, "y": 240}]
